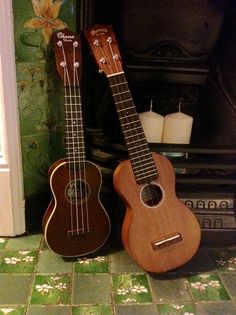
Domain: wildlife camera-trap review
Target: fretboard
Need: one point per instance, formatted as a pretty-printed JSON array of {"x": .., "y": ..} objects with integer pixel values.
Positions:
[
  {"x": 74, "y": 132},
  {"x": 141, "y": 158}
]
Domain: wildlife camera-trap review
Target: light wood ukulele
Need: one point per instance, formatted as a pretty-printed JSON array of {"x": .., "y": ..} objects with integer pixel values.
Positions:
[
  {"x": 75, "y": 222},
  {"x": 159, "y": 232}
]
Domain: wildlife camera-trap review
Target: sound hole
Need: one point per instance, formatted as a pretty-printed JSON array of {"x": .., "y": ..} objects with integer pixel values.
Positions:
[
  {"x": 77, "y": 191},
  {"x": 151, "y": 195}
]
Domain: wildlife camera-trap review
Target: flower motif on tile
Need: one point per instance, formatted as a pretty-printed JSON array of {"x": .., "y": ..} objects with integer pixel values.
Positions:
[
  {"x": 232, "y": 260},
  {"x": 139, "y": 289},
  {"x": 178, "y": 307},
  {"x": 11, "y": 260},
  {"x": 55, "y": 278},
  {"x": 98, "y": 264},
  {"x": 100, "y": 258},
  {"x": 24, "y": 252},
  {"x": 214, "y": 283},
  {"x": 7, "y": 310},
  {"x": 208, "y": 288},
  {"x": 122, "y": 291},
  {"x": 43, "y": 288},
  {"x": 85, "y": 261},
  {"x": 130, "y": 300},
  {"x": 130, "y": 288},
  {"x": 46, "y": 12},
  {"x": 174, "y": 309},
  {"x": 51, "y": 290},
  {"x": 28, "y": 259},
  {"x": 199, "y": 286},
  {"x": 61, "y": 286},
  {"x": 221, "y": 262}
]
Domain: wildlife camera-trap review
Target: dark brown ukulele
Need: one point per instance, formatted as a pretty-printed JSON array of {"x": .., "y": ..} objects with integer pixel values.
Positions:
[
  {"x": 159, "y": 232},
  {"x": 75, "y": 222}
]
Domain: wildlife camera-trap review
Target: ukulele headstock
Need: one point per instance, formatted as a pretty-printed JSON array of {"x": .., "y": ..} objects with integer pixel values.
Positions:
[
  {"x": 67, "y": 47},
  {"x": 103, "y": 44}
]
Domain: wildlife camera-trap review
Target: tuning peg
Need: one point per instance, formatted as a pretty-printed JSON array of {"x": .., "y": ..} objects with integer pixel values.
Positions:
[
  {"x": 96, "y": 42},
  {"x": 103, "y": 60},
  {"x": 63, "y": 64}
]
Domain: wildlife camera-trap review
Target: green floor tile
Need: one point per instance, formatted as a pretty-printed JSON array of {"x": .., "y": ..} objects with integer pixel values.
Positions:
[
  {"x": 131, "y": 288},
  {"x": 98, "y": 264},
  {"x": 136, "y": 310},
  {"x": 54, "y": 289},
  {"x": 48, "y": 310},
  {"x": 3, "y": 242},
  {"x": 15, "y": 289},
  {"x": 167, "y": 288},
  {"x": 92, "y": 310},
  {"x": 207, "y": 287},
  {"x": 12, "y": 310},
  {"x": 216, "y": 308},
  {"x": 49, "y": 262},
  {"x": 122, "y": 263},
  {"x": 176, "y": 309},
  {"x": 28, "y": 242},
  {"x": 19, "y": 261},
  {"x": 91, "y": 289},
  {"x": 229, "y": 281}
]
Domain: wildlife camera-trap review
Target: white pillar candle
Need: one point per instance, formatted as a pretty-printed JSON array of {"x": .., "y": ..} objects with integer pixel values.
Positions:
[
  {"x": 177, "y": 128},
  {"x": 152, "y": 125}
]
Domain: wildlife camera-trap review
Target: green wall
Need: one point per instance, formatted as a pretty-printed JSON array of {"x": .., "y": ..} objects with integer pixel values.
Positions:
[{"x": 40, "y": 93}]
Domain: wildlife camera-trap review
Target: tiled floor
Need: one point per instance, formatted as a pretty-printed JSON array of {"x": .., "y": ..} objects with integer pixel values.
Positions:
[{"x": 35, "y": 281}]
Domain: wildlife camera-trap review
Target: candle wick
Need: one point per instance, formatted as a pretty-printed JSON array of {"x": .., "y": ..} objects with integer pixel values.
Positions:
[
  {"x": 180, "y": 103},
  {"x": 151, "y": 105}
]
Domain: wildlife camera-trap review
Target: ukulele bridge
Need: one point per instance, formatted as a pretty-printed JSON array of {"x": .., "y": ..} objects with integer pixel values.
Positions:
[
  {"x": 167, "y": 241},
  {"x": 77, "y": 232}
]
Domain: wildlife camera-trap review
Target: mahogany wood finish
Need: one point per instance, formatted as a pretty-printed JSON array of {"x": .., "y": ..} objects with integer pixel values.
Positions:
[
  {"x": 159, "y": 232},
  {"x": 75, "y": 222}
]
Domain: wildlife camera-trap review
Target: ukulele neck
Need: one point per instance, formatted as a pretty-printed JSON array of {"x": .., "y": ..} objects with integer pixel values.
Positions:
[
  {"x": 74, "y": 132},
  {"x": 141, "y": 158}
]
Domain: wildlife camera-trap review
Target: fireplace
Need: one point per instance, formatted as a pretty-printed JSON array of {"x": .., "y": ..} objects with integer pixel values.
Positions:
[{"x": 172, "y": 51}]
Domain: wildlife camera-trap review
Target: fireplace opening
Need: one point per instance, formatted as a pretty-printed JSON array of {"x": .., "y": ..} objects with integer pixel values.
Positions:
[{"x": 172, "y": 52}]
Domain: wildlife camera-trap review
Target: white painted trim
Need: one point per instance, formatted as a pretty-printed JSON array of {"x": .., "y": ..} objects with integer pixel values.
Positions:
[{"x": 12, "y": 209}]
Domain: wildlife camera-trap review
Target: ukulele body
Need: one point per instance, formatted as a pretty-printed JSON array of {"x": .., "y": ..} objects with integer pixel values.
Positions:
[
  {"x": 75, "y": 222},
  {"x": 158, "y": 235}
]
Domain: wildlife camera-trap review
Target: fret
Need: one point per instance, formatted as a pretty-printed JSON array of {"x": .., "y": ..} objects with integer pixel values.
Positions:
[
  {"x": 123, "y": 101},
  {"x": 142, "y": 168},
  {"x": 130, "y": 123},
  {"x": 73, "y": 138},
  {"x": 145, "y": 178},
  {"x": 117, "y": 84},
  {"x": 70, "y": 144},
  {"x": 119, "y": 93},
  {"x": 125, "y": 109},
  {"x": 144, "y": 155},
  {"x": 138, "y": 142},
  {"x": 132, "y": 136}
]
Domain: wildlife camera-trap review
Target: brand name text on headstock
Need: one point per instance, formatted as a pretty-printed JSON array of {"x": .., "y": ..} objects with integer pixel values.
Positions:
[
  {"x": 99, "y": 31},
  {"x": 66, "y": 38}
]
